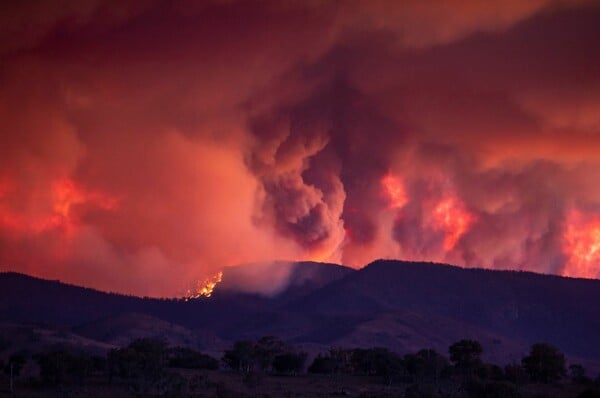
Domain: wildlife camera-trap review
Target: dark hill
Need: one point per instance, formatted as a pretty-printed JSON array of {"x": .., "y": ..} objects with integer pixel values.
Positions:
[
  {"x": 280, "y": 280},
  {"x": 28, "y": 299},
  {"x": 522, "y": 306},
  {"x": 121, "y": 329},
  {"x": 401, "y": 305}
]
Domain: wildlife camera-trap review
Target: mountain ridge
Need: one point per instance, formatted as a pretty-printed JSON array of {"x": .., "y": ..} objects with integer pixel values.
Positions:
[{"x": 398, "y": 304}]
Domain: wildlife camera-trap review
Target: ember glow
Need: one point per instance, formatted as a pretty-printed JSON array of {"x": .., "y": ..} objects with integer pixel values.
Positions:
[{"x": 148, "y": 144}]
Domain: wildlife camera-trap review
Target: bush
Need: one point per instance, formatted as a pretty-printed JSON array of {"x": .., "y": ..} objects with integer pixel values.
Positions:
[
  {"x": 241, "y": 357},
  {"x": 426, "y": 365},
  {"x": 186, "y": 358},
  {"x": 142, "y": 363},
  {"x": 516, "y": 373},
  {"x": 466, "y": 356},
  {"x": 268, "y": 353},
  {"x": 577, "y": 374},
  {"x": 172, "y": 385},
  {"x": 376, "y": 361},
  {"x": 289, "y": 362},
  {"x": 323, "y": 365},
  {"x": 62, "y": 367}
]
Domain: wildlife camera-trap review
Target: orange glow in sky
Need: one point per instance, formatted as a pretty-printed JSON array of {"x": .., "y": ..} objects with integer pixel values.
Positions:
[
  {"x": 451, "y": 217},
  {"x": 448, "y": 215},
  {"x": 394, "y": 189},
  {"x": 312, "y": 130},
  {"x": 65, "y": 195},
  {"x": 582, "y": 245},
  {"x": 56, "y": 212}
]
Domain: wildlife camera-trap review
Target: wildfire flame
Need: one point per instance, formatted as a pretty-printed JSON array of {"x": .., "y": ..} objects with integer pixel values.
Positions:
[
  {"x": 582, "y": 246},
  {"x": 204, "y": 288}
]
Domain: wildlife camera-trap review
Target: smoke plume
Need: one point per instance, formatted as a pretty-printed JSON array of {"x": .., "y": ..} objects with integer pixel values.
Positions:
[{"x": 145, "y": 145}]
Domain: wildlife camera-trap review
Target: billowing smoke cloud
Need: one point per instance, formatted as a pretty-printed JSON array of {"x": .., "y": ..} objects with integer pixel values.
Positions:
[{"x": 148, "y": 144}]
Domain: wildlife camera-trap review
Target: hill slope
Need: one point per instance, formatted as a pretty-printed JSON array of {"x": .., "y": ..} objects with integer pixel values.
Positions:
[
  {"x": 402, "y": 305},
  {"x": 519, "y": 305}
]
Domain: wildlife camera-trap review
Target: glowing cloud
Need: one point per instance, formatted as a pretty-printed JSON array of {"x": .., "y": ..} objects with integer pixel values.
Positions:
[
  {"x": 395, "y": 192},
  {"x": 450, "y": 216},
  {"x": 582, "y": 245},
  {"x": 153, "y": 145},
  {"x": 53, "y": 209}
]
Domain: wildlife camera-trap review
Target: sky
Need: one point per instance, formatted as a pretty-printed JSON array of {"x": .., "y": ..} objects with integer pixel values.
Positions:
[{"x": 144, "y": 145}]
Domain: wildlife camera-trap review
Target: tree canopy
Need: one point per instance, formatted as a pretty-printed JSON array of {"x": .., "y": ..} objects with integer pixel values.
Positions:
[{"x": 545, "y": 363}]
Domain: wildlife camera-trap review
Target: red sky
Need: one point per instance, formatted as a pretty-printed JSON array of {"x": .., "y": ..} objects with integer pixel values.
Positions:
[{"x": 146, "y": 144}]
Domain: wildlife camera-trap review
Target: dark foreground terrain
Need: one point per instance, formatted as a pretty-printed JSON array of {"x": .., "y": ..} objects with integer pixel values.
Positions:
[
  {"x": 220, "y": 384},
  {"x": 399, "y": 305},
  {"x": 403, "y": 307},
  {"x": 270, "y": 367}
]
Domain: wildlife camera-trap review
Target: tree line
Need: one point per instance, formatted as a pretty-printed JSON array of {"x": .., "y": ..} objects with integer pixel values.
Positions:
[
  {"x": 463, "y": 369},
  {"x": 149, "y": 367}
]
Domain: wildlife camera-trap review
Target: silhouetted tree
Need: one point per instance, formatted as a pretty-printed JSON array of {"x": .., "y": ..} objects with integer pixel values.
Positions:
[
  {"x": 186, "y": 358},
  {"x": 466, "y": 356},
  {"x": 241, "y": 357},
  {"x": 289, "y": 362},
  {"x": 577, "y": 374},
  {"x": 377, "y": 361},
  {"x": 342, "y": 359},
  {"x": 388, "y": 365},
  {"x": 142, "y": 363},
  {"x": 371, "y": 361},
  {"x": 516, "y": 373},
  {"x": 323, "y": 364},
  {"x": 466, "y": 353},
  {"x": 433, "y": 365},
  {"x": 545, "y": 363},
  {"x": 362, "y": 361},
  {"x": 337, "y": 360},
  {"x": 63, "y": 367},
  {"x": 266, "y": 354},
  {"x": 266, "y": 349}
]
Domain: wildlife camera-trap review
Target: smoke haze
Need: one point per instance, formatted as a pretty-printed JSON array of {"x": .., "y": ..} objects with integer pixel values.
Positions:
[{"x": 146, "y": 144}]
